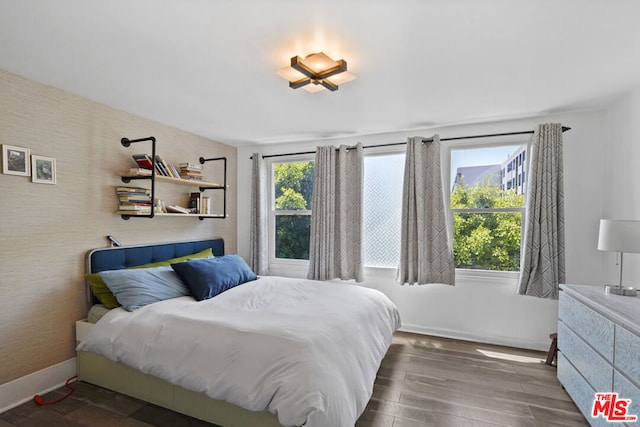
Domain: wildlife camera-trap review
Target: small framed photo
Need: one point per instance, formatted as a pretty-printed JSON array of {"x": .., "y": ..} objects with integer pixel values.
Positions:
[
  {"x": 43, "y": 169},
  {"x": 15, "y": 160}
]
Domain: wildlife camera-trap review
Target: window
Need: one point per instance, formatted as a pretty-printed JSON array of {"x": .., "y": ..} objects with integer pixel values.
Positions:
[
  {"x": 382, "y": 209},
  {"x": 291, "y": 209},
  {"x": 382, "y": 201},
  {"x": 487, "y": 205},
  {"x": 487, "y": 220}
]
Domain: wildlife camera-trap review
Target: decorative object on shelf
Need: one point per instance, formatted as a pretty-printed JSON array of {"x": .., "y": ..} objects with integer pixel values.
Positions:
[
  {"x": 619, "y": 236},
  {"x": 195, "y": 203},
  {"x": 316, "y": 71},
  {"x": 15, "y": 160},
  {"x": 43, "y": 170}
]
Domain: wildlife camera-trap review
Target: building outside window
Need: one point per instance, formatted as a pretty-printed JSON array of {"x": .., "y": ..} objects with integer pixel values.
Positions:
[{"x": 487, "y": 205}]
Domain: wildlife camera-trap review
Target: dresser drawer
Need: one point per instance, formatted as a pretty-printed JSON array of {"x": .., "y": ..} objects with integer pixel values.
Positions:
[
  {"x": 627, "y": 390},
  {"x": 579, "y": 390},
  {"x": 593, "y": 367},
  {"x": 589, "y": 325},
  {"x": 627, "y": 354}
]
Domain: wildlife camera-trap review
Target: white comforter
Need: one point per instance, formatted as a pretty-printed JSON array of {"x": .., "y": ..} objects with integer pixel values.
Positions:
[{"x": 306, "y": 351}]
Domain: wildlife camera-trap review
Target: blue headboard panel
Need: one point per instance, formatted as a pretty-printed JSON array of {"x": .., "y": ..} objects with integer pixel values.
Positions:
[{"x": 130, "y": 256}]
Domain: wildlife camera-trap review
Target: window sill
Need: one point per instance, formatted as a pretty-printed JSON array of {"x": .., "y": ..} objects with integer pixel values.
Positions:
[{"x": 299, "y": 268}]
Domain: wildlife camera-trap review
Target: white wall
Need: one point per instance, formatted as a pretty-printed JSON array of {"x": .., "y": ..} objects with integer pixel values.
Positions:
[
  {"x": 476, "y": 308},
  {"x": 622, "y": 198}
]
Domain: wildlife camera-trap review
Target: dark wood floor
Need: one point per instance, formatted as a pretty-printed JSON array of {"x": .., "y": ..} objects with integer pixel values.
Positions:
[{"x": 423, "y": 381}]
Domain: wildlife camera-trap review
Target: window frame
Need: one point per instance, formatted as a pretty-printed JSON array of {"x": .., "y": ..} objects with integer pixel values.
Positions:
[
  {"x": 276, "y": 264},
  {"x": 273, "y": 212},
  {"x": 464, "y": 273},
  {"x": 378, "y": 152}
]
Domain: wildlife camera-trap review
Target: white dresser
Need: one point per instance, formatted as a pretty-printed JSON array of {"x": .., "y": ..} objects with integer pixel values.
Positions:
[{"x": 599, "y": 348}]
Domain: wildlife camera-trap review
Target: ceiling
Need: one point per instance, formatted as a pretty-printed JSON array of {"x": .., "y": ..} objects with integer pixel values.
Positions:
[{"x": 209, "y": 66}]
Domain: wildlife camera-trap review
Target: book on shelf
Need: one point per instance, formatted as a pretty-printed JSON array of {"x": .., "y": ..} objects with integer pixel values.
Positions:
[
  {"x": 195, "y": 202},
  {"x": 134, "y": 199},
  {"x": 190, "y": 171},
  {"x": 191, "y": 176},
  {"x": 174, "y": 171},
  {"x": 205, "y": 206},
  {"x": 188, "y": 165},
  {"x": 133, "y": 213},
  {"x": 139, "y": 172},
  {"x": 170, "y": 169},
  {"x": 165, "y": 169},
  {"x": 177, "y": 209},
  {"x": 128, "y": 190},
  {"x": 143, "y": 161},
  {"x": 135, "y": 207}
]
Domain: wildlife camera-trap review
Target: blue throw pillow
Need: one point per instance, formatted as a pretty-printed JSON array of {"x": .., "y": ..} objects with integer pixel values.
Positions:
[
  {"x": 209, "y": 277},
  {"x": 136, "y": 288}
]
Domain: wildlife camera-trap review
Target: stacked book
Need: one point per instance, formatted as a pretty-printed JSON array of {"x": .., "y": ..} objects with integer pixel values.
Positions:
[
  {"x": 190, "y": 171},
  {"x": 134, "y": 200}
]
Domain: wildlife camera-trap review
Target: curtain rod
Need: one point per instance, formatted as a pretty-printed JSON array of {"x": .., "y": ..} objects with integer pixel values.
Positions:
[{"x": 454, "y": 138}]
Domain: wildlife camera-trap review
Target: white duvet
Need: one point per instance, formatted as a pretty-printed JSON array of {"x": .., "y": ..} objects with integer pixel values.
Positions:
[{"x": 304, "y": 350}]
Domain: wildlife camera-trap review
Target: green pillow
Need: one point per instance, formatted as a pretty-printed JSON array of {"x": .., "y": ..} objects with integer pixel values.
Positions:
[{"x": 104, "y": 295}]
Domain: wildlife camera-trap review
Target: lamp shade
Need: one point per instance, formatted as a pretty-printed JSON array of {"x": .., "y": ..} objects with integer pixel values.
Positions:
[{"x": 619, "y": 236}]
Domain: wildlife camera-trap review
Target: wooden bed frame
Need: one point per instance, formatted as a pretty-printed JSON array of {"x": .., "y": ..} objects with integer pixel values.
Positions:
[{"x": 98, "y": 370}]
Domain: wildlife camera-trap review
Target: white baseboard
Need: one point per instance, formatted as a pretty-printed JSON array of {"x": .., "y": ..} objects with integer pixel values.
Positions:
[
  {"x": 23, "y": 389},
  {"x": 486, "y": 339}
]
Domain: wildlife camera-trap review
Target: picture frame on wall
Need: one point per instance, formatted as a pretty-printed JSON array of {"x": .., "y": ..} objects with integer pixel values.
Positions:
[
  {"x": 43, "y": 169},
  {"x": 15, "y": 160}
]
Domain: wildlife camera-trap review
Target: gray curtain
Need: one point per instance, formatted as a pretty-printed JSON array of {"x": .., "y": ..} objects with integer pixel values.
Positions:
[
  {"x": 543, "y": 243},
  {"x": 336, "y": 216},
  {"x": 259, "y": 259},
  {"x": 426, "y": 253}
]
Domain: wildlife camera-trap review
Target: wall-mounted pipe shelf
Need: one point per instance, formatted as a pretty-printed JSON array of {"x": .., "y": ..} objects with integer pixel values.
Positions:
[
  {"x": 224, "y": 185},
  {"x": 154, "y": 176},
  {"x": 126, "y": 142}
]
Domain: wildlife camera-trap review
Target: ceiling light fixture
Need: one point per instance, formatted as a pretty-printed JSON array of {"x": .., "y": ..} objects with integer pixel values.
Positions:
[{"x": 316, "y": 71}]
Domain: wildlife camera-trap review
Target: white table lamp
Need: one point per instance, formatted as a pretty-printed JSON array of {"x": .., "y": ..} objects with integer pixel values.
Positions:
[{"x": 619, "y": 236}]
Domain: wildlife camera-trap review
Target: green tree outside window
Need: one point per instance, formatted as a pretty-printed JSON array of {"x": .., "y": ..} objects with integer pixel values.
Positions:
[
  {"x": 487, "y": 240},
  {"x": 293, "y": 185}
]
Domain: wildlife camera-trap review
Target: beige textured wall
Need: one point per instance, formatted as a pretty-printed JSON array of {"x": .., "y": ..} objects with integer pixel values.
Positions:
[{"x": 46, "y": 230}]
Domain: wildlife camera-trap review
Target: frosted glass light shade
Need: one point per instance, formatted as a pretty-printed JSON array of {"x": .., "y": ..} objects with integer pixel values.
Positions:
[
  {"x": 290, "y": 74},
  {"x": 341, "y": 78},
  {"x": 319, "y": 61}
]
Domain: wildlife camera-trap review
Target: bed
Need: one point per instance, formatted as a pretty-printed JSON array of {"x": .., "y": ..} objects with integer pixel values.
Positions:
[{"x": 268, "y": 352}]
